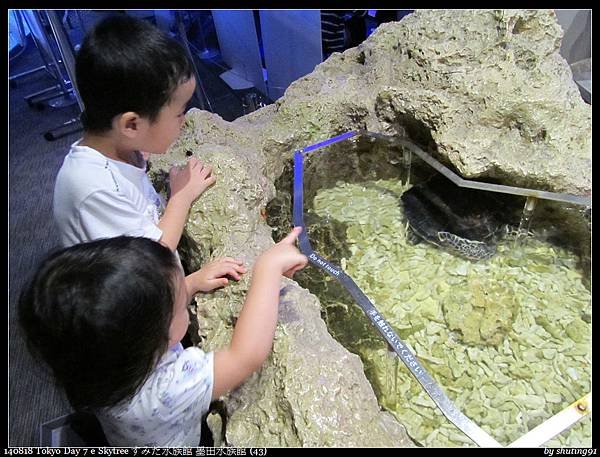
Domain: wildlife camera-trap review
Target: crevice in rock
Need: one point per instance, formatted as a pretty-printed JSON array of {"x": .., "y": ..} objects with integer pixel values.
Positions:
[{"x": 217, "y": 422}]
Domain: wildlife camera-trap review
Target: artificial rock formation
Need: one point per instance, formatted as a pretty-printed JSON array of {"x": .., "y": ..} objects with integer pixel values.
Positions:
[
  {"x": 485, "y": 91},
  {"x": 311, "y": 391}
]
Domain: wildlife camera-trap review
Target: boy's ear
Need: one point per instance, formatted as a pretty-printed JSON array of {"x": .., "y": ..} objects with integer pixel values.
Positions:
[{"x": 130, "y": 124}]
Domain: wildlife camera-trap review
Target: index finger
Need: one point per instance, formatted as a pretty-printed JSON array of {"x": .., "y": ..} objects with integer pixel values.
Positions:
[{"x": 292, "y": 236}]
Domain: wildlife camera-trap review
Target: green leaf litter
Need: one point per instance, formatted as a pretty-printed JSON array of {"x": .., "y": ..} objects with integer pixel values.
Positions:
[{"x": 508, "y": 339}]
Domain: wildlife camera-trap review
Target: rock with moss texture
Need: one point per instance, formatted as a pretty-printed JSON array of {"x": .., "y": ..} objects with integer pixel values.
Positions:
[
  {"x": 485, "y": 91},
  {"x": 492, "y": 91},
  {"x": 483, "y": 315},
  {"x": 311, "y": 392}
]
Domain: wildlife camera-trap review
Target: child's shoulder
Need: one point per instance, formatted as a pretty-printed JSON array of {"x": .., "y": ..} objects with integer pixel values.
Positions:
[
  {"x": 81, "y": 153},
  {"x": 191, "y": 359},
  {"x": 82, "y": 172}
]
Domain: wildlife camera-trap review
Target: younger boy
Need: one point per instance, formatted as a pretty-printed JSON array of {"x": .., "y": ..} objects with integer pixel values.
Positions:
[{"x": 108, "y": 316}]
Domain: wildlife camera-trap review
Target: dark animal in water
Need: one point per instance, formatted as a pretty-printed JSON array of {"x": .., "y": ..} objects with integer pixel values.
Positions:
[{"x": 466, "y": 221}]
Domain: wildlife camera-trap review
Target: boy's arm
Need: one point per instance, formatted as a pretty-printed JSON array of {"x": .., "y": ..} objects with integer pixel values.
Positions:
[
  {"x": 186, "y": 183},
  {"x": 173, "y": 220},
  {"x": 255, "y": 328}
]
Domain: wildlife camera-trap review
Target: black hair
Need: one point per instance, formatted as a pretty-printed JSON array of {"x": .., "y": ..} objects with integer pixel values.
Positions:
[
  {"x": 98, "y": 314},
  {"x": 127, "y": 64}
]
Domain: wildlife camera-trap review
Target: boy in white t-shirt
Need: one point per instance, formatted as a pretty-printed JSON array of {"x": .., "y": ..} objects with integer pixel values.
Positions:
[
  {"x": 108, "y": 316},
  {"x": 135, "y": 82}
]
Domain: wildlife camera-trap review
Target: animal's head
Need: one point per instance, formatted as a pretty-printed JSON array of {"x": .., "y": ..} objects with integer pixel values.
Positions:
[{"x": 481, "y": 226}]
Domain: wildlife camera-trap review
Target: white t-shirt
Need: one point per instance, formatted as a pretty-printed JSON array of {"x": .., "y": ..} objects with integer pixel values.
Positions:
[
  {"x": 97, "y": 197},
  {"x": 167, "y": 410}
]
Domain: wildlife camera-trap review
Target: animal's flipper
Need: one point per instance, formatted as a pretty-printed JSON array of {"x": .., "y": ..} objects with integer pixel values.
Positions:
[
  {"x": 470, "y": 249},
  {"x": 412, "y": 237}
]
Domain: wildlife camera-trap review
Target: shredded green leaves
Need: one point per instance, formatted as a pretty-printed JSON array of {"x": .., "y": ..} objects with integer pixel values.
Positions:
[{"x": 507, "y": 338}]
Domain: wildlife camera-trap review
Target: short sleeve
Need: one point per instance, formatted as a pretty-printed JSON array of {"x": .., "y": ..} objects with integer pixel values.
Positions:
[
  {"x": 104, "y": 215},
  {"x": 185, "y": 386},
  {"x": 168, "y": 409}
]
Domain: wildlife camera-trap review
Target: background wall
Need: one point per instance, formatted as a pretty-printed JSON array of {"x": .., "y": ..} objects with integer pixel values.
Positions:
[{"x": 577, "y": 41}]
